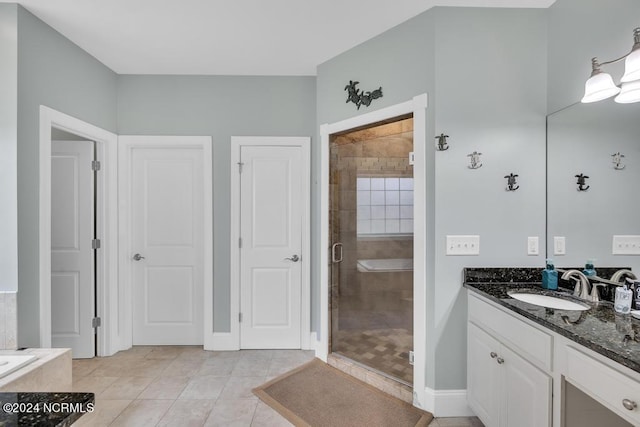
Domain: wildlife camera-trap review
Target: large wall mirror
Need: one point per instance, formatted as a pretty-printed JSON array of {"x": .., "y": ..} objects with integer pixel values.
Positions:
[{"x": 600, "y": 141}]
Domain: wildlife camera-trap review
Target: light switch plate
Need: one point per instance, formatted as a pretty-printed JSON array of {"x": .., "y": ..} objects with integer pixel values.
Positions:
[
  {"x": 559, "y": 245},
  {"x": 463, "y": 245},
  {"x": 533, "y": 245},
  {"x": 626, "y": 245}
]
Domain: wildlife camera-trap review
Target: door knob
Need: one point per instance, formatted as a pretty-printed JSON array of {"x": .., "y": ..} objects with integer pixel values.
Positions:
[
  {"x": 294, "y": 258},
  {"x": 137, "y": 257}
]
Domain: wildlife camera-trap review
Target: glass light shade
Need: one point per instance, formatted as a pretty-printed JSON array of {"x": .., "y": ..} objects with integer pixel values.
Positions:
[
  {"x": 599, "y": 86},
  {"x": 631, "y": 67},
  {"x": 630, "y": 93}
]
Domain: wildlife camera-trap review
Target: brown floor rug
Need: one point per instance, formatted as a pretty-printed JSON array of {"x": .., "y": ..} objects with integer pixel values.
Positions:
[{"x": 318, "y": 395}]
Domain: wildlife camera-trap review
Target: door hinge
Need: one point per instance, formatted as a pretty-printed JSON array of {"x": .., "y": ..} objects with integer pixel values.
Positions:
[
  {"x": 95, "y": 244},
  {"x": 96, "y": 322},
  {"x": 240, "y": 317},
  {"x": 240, "y": 242},
  {"x": 411, "y": 357},
  {"x": 240, "y": 164},
  {"x": 412, "y": 158},
  {"x": 95, "y": 165}
]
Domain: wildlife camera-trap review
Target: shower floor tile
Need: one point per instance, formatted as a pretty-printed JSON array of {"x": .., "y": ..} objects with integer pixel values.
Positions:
[{"x": 386, "y": 350}]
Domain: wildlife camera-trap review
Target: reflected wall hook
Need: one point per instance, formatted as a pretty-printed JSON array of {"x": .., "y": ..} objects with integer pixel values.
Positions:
[
  {"x": 442, "y": 142},
  {"x": 582, "y": 181},
  {"x": 511, "y": 182},
  {"x": 617, "y": 161},
  {"x": 474, "y": 160}
]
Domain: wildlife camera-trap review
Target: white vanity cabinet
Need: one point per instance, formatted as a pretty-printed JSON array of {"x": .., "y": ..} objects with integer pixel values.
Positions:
[
  {"x": 517, "y": 369},
  {"x": 503, "y": 388}
]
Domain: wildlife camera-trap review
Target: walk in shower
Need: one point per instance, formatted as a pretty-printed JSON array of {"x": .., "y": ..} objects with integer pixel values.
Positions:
[{"x": 371, "y": 232}]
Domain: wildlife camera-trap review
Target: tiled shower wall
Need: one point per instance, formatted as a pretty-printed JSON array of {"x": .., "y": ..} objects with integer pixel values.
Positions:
[{"x": 8, "y": 321}]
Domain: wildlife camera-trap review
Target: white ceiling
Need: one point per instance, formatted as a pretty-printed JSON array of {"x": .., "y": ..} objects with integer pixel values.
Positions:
[{"x": 230, "y": 37}]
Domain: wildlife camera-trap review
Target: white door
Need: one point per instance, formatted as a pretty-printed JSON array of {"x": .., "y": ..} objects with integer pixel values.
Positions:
[
  {"x": 72, "y": 255},
  {"x": 271, "y": 221},
  {"x": 167, "y": 243}
]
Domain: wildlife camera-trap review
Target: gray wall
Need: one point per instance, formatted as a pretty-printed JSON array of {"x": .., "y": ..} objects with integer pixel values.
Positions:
[
  {"x": 485, "y": 73},
  {"x": 8, "y": 144},
  {"x": 53, "y": 72},
  {"x": 220, "y": 106},
  {"x": 490, "y": 84}
]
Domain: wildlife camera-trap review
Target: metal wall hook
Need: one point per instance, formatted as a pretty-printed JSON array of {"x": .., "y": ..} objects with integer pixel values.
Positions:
[
  {"x": 617, "y": 161},
  {"x": 442, "y": 142},
  {"x": 474, "y": 160},
  {"x": 582, "y": 182},
  {"x": 511, "y": 182}
]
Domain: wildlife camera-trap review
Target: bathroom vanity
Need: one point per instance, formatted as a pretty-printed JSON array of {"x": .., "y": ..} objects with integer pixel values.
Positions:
[{"x": 527, "y": 363}]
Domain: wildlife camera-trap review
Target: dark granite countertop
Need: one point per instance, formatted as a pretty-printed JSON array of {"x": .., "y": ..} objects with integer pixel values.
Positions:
[
  {"x": 43, "y": 409},
  {"x": 599, "y": 328}
]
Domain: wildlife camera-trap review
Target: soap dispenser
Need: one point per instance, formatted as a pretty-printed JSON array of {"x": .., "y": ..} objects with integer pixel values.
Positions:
[
  {"x": 550, "y": 276},
  {"x": 589, "y": 269}
]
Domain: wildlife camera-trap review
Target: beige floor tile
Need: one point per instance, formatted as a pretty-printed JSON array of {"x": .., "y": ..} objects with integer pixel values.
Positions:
[
  {"x": 217, "y": 367},
  {"x": 143, "y": 413},
  {"x": 251, "y": 367},
  {"x": 459, "y": 422},
  {"x": 186, "y": 413},
  {"x": 105, "y": 411},
  {"x": 165, "y": 352},
  {"x": 204, "y": 387},
  {"x": 84, "y": 367},
  {"x": 92, "y": 384},
  {"x": 126, "y": 388},
  {"x": 164, "y": 388},
  {"x": 232, "y": 413},
  {"x": 265, "y": 416},
  {"x": 240, "y": 387},
  {"x": 182, "y": 368}
]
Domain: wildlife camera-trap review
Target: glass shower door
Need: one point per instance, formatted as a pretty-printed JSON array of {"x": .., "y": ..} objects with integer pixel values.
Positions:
[{"x": 371, "y": 231}]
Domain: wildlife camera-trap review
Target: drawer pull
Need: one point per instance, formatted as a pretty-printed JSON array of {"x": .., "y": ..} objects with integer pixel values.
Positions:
[
  {"x": 493, "y": 354},
  {"x": 629, "y": 404},
  {"x": 500, "y": 360}
]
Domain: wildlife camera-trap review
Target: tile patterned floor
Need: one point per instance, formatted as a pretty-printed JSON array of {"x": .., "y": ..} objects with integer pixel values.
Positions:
[
  {"x": 386, "y": 350},
  {"x": 187, "y": 386}
]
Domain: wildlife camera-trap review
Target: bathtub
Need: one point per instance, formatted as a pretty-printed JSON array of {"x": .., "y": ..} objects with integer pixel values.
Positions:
[
  {"x": 10, "y": 362},
  {"x": 385, "y": 265}
]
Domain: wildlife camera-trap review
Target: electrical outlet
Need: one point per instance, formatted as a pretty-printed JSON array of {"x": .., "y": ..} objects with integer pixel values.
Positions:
[
  {"x": 533, "y": 247},
  {"x": 463, "y": 245},
  {"x": 559, "y": 245},
  {"x": 626, "y": 245}
]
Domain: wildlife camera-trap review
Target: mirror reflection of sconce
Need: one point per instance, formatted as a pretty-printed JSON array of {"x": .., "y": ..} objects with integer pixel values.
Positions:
[
  {"x": 582, "y": 182},
  {"x": 442, "y": 142},
  {"x": 474, "y": 160},
  {"x": 617, "y": 161},
  {"x": 511, "y": 182},
  {"x": 601, "y": 86}
]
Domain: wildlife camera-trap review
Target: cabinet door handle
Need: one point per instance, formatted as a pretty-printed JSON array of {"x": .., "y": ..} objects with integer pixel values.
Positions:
[
  {"x": 493, "y": 354},
  {"x": 500, "y": 360},
  {"x": 629, "y": 404}
]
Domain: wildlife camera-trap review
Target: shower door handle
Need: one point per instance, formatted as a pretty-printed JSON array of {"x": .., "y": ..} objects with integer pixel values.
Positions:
[{"x": 334, "y": 253}]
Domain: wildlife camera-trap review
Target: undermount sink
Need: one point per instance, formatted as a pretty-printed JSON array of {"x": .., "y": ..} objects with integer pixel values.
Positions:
[{"x": 548, "y": 301}]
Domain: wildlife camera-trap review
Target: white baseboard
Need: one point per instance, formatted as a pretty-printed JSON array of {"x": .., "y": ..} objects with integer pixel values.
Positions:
[
  {"x": 222, "y": 341},
  {"x": 447, "y": 403}
]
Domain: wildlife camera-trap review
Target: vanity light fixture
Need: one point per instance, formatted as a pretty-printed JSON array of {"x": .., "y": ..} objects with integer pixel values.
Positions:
[{"x": 601, "y": 86}]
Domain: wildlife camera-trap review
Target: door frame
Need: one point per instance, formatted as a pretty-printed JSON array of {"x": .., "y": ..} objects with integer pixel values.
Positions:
[
  {"x": 108, "y": 339},
  {"x": 418, "y": 107},
  {"x": 231, "y": 340},
  {"x": 126, "y": 143}
]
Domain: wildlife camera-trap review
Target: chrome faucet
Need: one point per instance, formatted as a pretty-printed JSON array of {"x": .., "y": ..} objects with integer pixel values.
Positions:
[
  {"x": 583, "y": 287},
  {"x": 623, "y": 273}
]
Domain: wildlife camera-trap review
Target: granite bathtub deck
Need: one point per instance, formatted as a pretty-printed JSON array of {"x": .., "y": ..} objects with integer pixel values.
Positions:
[{"x": 599, "y": 328}]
